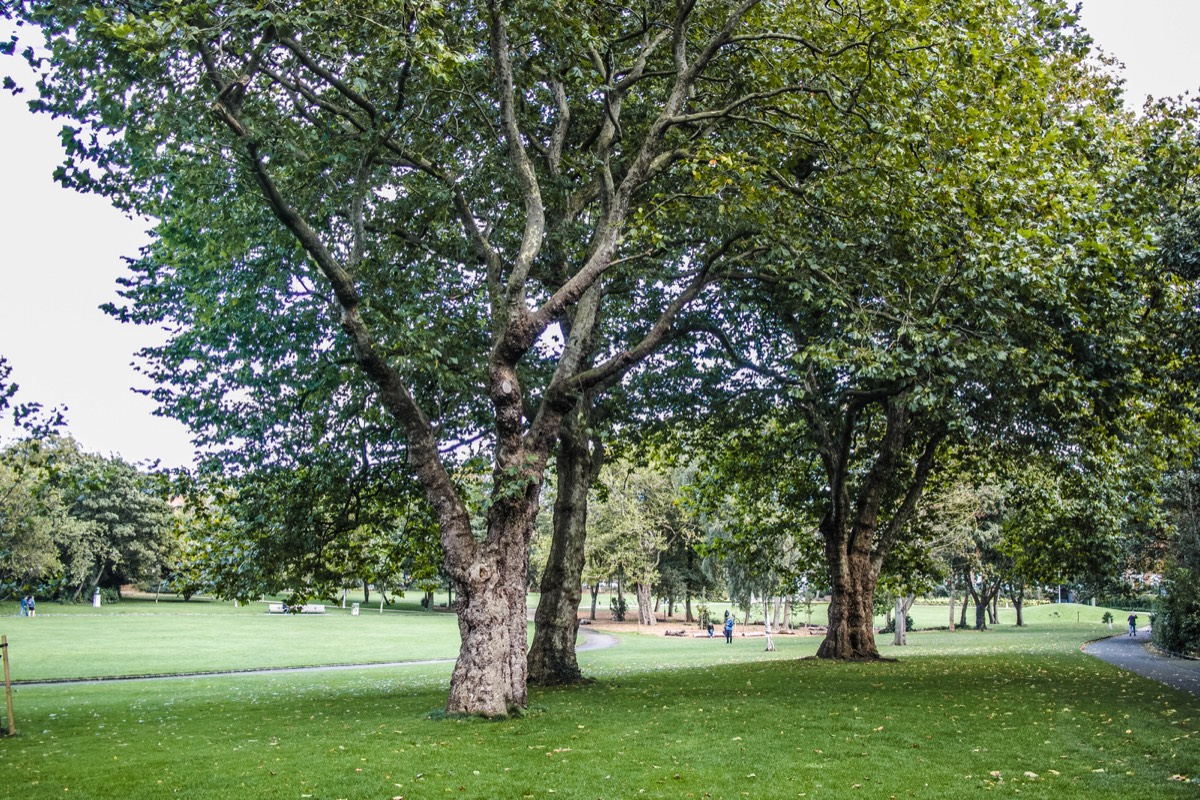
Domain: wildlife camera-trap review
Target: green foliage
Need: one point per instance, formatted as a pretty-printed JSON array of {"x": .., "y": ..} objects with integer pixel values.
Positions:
[
  {"x": 618, "y": 607},
  {"x": 73, "y": 520},
  {"x": 26, "y": 417},
  {"x": 1177, "y": 623}
]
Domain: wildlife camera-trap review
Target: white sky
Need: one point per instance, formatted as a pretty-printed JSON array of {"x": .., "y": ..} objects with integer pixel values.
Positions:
[{"x": 62, "y": 251}]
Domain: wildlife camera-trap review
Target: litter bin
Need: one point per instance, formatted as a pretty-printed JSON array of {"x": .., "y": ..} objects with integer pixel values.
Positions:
[{"x": 354, "y": 610}]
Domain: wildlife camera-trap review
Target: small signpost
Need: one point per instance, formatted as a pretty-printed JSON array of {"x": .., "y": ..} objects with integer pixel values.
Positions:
[{"x": 12, "y": 730}]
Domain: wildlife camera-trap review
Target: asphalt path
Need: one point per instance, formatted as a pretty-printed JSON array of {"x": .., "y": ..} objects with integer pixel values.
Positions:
[
  {"x": 592, "y": 640},
  {"x": 1135, "y": 653}
]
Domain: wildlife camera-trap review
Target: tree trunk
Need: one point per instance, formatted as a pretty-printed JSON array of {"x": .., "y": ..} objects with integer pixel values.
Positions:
[
  {"x": 595, "y": 596},
  {"x": 490, "y": 675},
  {"x": 856, "y": 539},
  {"x": 1018, "y": 598},
  {"x": 851, "y": 635},
  {"x": 552, "y": 658},
  {"x": 901, "y": 623},
  {"x": 767, "y": 623},
  {"x": 687, "y": 608},
  {"x": 787, "y": 613},
  {"x": 366, "y": 591},
  {"x": 980, "y": 598},
  {"x": 95, "y": 582},
  {"x": 645, "y": 604},
  {"x": 962, "y": 620},
  {"x": 951, "y": 600}
]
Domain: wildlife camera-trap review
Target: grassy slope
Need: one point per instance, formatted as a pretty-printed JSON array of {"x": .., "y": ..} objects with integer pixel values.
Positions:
[{"x": 1003, "y": 711}]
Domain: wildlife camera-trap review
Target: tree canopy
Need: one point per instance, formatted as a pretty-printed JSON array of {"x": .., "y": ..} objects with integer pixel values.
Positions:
[{"x": 407, "y": 240}]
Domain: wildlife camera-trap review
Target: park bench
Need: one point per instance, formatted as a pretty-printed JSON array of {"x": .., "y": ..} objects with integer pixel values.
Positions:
[{"x": 307, "y": 608}]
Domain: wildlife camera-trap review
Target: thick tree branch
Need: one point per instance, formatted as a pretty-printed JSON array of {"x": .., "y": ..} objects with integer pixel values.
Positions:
[
  {"x": 535, "y": 214},
  {"x": 900, "y": 519},
  {"x": 394, "y": 394}
]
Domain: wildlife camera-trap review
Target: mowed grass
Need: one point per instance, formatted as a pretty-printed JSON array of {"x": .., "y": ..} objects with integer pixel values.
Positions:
[
  {"x": 147, "y": 638},
  {"x": 1010, "y": 712}
]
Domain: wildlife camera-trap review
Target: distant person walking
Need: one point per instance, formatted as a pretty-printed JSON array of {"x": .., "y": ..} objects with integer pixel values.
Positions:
[
  {"x": 25, "y": 606},
  {"x": 1133, "y": 624},
  {"x": 729, "y": 629},
  {"x": 31, "y": 604}
]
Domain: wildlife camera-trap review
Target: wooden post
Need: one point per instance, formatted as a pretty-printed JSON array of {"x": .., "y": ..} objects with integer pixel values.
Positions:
[{"x": 12, "y": 730}]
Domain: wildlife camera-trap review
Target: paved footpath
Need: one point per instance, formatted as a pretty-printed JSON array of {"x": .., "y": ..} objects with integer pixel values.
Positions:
[{"x": 1136, "y": 655}]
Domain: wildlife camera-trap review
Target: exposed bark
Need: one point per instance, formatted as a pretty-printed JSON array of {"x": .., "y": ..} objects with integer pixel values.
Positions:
[
  {"x": 595, "y": 588},
  {"x": 962, "y": 620},
  {"x": 490, "y": 675},
  {"x": 489, "y": 678},
  {"x": 645, "y": 606},
  {"x": 767, "y": 623},
  {"x": 951, "y": 600},
  {"x": 851, "y": 635},
  {"x": 983, "y": 594},
  {"x": 901, "y": 629}
]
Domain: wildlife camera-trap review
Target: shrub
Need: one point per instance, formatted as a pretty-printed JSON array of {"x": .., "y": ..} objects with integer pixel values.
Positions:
[
  {"x": 617, "y": 604},
  {"x": 909, "y": 625}
]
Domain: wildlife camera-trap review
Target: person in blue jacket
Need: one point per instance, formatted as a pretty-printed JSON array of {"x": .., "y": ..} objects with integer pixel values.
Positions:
[{"x": 729, "y": 629}]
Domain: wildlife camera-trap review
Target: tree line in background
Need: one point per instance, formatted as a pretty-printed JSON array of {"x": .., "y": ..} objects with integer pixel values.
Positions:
[
  {"x": 73, "y": 523},
  {"x": 900, "y": 293}
]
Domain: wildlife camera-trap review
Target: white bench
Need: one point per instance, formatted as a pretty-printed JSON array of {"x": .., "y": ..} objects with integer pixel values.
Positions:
[{"x": 307, "y": 608}]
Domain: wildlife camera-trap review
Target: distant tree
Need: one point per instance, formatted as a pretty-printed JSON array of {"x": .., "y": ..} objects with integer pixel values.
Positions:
[
  {"x": 127, "y": 527},
  {"x": 640, "y": 516},
  {"x": 35, "y": 522}
]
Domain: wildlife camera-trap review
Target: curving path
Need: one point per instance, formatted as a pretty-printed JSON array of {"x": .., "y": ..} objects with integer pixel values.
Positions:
[
  {"x": 592, "y": 640},
  {"x": 1136, "y": 655}
]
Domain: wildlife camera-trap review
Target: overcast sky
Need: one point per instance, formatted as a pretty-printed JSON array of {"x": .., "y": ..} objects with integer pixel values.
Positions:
[{"x": 62, "y": 251}]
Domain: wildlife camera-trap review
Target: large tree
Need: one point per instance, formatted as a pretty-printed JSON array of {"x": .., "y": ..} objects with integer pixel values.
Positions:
[
  {"x": 964, "y": 273},
  {"x": 425, "y": 194}
]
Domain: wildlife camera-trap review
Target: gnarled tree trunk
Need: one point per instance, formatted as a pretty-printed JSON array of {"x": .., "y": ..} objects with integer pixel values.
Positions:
[
  {"x": 490, "y": 675},
  {"x": 853, "y": 575}
]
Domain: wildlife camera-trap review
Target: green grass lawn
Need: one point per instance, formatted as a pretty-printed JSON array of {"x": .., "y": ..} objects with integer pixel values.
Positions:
[
  {"x": 147, "y": 638},
  {"x": 1005, "y": 711}
]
